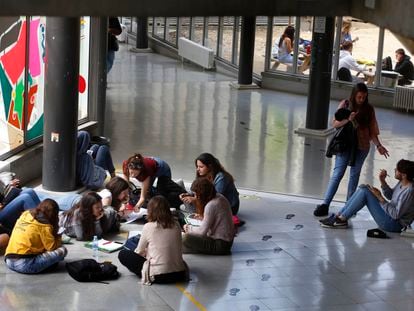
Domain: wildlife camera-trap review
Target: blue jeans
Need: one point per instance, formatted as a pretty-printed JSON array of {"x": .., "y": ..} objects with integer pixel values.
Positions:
[
  {"x": 65, "y": 202},
  {"x": 36, "y": 264},
  {"x": 341, "y": 163},
  {"x": 163, "y": 168},
  {"x": 364, "y": 197},
  {"x": 110, "y": 58},
  {"x": 27, "y": 199},
  {"x": 102, "y": 157}
]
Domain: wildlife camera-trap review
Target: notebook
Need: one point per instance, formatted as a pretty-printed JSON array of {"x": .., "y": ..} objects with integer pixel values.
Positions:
[{"x": 106, "y": 246}]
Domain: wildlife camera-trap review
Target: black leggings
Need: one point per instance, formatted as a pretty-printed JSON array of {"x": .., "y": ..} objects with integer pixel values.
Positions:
[{"x": 134, "y": 263}]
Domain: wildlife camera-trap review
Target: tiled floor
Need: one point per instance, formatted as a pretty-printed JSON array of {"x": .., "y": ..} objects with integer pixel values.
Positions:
[
  {"x": 158, "y": 106},
  {"x": 279, "y": 262}
]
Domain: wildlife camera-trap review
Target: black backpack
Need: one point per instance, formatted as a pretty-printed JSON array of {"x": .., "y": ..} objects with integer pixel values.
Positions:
[{"x": 89, "y": 270}]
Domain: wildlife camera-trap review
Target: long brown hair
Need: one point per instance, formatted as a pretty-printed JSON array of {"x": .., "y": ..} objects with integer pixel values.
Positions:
[
  {"x": 47, "y": 212},
  {"x": 365, "y": 112},
  {"x": 116, "y": 185},
  {"x": 205, "y": 191},
  {"x": 159, "y": 211},
  {"x": 85, "y": 207},
  {"x": 213, "y": 165},
  {"x": 135, "y": 162},
  {"x": 288, "y": 33}
]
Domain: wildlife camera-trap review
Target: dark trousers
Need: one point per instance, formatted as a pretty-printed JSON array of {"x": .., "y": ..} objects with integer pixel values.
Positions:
[
  {"x": 193, "y": 244},
  {"x": 134, "y": 263}
]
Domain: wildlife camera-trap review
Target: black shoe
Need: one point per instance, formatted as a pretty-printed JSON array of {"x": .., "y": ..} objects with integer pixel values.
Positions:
[
  {"x": 321, "y": 210},
  {"x": 334, "y": 222}
]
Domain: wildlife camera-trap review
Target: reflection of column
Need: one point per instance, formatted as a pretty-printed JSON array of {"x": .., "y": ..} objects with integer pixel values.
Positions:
[
  {"x": 316, "y": 167},
  {"x": 320, "y": 77},
  {"x": 247, "y": 50},
  {"x": 262, "y": 139},
  {"x": 240, "y": 160},
  {"x": 61, "y": 103}
]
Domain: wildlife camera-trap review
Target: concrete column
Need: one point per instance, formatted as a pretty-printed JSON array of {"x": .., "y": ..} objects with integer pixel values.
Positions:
[
  {"x": 142, "y": 33},
  {"x": 61, "y": 103},
  {"x": 320, "y": 76},
  {"x": 248, "y": 27}
]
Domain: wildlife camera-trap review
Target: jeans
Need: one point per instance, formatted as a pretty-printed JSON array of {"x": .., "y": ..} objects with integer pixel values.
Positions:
[
  {"x": 36, "y": 264},
  {"x": 364, "y": 197},
  {"x": 65, "y": 202},
  {"x": 163, "y": 168},
  {"x": 110, "y": 58},
  {"x": 102, "y": 157},
  {"x": 27, "y": 199},
  {"x": 341, "y": 163}
]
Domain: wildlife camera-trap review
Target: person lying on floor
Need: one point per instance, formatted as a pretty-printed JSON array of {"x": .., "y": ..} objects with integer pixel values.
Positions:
[
  {"x": 392, "y": 213},
  {"x": 26, "y": 200},
  {"x": 35, "y": 244},
  {"x": 158, "y": 257},
  {"x": 88, "y": 218},
  {"x": 216, "y": 233}
]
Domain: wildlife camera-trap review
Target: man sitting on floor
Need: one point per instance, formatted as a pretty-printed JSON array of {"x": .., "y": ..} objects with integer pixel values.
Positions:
[{"x": 393, "y": 215}]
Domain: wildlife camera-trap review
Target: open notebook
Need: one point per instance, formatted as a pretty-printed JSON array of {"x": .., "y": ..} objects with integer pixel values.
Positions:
[{"x": 106, "y": 246}]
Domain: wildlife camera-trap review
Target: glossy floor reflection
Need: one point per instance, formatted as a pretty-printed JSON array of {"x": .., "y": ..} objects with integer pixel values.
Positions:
[
  {"x": 160, "y": 107},
  {"x": 282, "y": 259}
]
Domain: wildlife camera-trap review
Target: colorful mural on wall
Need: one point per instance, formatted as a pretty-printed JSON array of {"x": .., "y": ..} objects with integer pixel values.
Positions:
[
  {"x": 13, "y": 34},
  {"x": 15, "y": 118}
]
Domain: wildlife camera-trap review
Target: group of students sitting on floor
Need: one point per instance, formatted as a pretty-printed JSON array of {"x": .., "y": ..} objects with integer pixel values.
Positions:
[{"x": 32, "y": 223}]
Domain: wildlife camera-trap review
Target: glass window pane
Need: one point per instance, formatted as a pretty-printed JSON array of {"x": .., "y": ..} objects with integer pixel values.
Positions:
[
  {"x": 185, "y": 27},
  {"x": 12, "y": 77},
  {"x": 171, "y": 30},
  {"x": 159, "y": 27},
  {"x": 391, "y": 44},
  {"x": 198, "y": 30},
  {"x": 236, "y": 45},
  {"x": 364, "y": 50},
  {"x": 84, "y": 68},
  {"x": 150, "y": 20},
  {"x": 36, "y": 77},
  {"x": 260, "y": 44},
  {"x": 211, "y": 42},
  {"x": 280, "y": 23},
  {"x": 227, "y": 44},
  {"x": 305, "y": 44}
]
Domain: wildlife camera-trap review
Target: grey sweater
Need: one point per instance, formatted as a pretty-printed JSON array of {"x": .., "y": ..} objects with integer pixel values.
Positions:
[{"x": 401, "y": 204}]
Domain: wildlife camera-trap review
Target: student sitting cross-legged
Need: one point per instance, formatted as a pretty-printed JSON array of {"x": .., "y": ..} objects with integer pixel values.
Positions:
[
  {"x": 158, "y": 257},
  {"x": 392, "y": 213},
  {"x": 216, "y": 233},
  {"x": 35, "y": 244}
]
